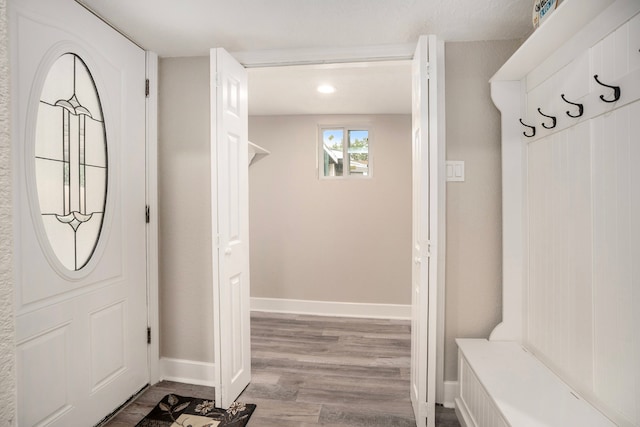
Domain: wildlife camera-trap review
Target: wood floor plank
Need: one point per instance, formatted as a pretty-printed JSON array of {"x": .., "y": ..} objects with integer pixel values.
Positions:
[
  {"x": 355, "y": 418},
  {"x": 344, "y": 383},
  {"x": 284, "y": 411},
  {"x": 310, "y": 371}
]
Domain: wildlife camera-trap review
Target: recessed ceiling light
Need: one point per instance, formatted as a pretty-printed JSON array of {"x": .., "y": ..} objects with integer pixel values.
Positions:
[{"x": 326, "y": 89}]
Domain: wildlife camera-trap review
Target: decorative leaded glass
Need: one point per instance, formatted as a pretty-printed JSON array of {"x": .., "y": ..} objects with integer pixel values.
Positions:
[{"x": 71, "y": 161}]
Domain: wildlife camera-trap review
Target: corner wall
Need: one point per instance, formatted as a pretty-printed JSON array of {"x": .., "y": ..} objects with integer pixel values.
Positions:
[
  {"x": 184, "y": 202},
  {"x": 7, "y": 330},
  {"x": 474, "y": 207}
]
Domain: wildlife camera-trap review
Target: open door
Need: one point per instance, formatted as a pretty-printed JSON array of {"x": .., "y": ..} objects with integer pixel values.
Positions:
[
  {"x": 428, "y": 150},
  {"x": 78, "y": 142},
  {"x": 230, "y": 217}
]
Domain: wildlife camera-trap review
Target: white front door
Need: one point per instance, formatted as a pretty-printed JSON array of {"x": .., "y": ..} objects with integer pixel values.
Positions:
[
  {"x": 426, "y": 200},
  {"x": 230, "y": 216},
  {"x": 78, "y": 145}
]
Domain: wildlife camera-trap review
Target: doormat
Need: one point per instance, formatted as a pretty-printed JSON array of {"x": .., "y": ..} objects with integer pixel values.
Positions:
[{"x": 179, "y": 411}]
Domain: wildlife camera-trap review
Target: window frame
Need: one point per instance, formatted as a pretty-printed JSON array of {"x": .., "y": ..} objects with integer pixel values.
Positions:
[{"x": 346, "y": 128}]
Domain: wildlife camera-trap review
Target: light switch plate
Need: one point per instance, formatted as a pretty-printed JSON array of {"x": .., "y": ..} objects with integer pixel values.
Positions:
[{"x": 455, "y": 170}]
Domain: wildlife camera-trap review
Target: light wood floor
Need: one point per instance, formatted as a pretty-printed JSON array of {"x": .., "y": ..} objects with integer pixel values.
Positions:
[{"x": 313, "y": 370}]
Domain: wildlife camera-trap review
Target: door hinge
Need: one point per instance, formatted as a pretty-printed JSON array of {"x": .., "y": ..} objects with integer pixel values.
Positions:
[
  {"x": 147, "y": 214},
  {"x": 218, "y": 80},
  {"x": 424, "y": 410},
  {"x": 148, "y": 335},
  {"x": 146, "y": 88}
]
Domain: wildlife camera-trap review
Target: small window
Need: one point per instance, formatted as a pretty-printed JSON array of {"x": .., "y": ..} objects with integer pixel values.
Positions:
[{"x": 344, "y": 151}]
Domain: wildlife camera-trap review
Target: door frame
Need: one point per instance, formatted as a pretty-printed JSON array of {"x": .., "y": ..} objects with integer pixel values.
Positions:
[
  {"x": 151, "y": 174},
  {"x": 393, "y": 52}
]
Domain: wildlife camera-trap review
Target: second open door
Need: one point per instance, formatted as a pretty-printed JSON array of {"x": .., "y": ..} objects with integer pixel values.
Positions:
[
  {"x": 230, "y": 225},
  {"x": 427, "y": 234}
]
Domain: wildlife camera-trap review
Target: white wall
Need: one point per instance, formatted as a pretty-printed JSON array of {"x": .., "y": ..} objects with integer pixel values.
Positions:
[
  {"x": 330, "y": 240},
  {"x": 474, "y": 220},
  {"x": 184, "y": 210},
  {"x": 7, "y": 333}
]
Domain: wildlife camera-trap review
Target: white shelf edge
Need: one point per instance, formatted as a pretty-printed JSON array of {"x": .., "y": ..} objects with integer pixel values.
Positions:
[
  {"x": 256, "y": 152},
  {"x": 258, "y": 149},
  {"x": 563, "y": 24}
]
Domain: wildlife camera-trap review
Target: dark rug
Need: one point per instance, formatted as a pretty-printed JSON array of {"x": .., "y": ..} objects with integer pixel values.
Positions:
[{"x": 179, "y": 411}]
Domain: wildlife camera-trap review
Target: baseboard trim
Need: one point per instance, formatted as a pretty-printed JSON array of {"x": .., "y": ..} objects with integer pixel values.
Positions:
[
  {"x": 330, "y": 308},
  {"x": 450, "y": 394},
  {"x": 187, "y": 371}
]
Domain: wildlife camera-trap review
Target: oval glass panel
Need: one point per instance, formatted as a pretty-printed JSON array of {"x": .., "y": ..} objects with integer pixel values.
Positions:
[{"x": 71, "y": 161}]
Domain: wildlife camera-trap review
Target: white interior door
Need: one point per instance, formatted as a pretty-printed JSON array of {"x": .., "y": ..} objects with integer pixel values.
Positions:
[
  {"x": 78, "y": 138},
  {"x": 230, "y": 215},
  {"x": 426, "y": 188}
]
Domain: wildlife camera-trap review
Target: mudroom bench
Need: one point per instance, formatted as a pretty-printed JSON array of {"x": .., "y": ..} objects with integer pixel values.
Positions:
[
  {"x": 566, "y": 351},
  {"x": 502, "y": 384}
]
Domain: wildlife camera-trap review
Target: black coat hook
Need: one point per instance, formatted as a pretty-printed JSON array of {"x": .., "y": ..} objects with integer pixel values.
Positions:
[
  {"x": 580, "y": 107},
  {"x": 553, "y": 120},
  {"x": 533, "y": 130},
  {"x": 616, "y": 91}
]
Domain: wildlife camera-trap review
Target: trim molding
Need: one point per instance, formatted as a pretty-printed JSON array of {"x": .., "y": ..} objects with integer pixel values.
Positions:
[
  {"x": 331, "y": 308},
  {"x": 450, "y": 393},
  {"x": 335, "y": 55},
  {"x": 187, "y": 371}
]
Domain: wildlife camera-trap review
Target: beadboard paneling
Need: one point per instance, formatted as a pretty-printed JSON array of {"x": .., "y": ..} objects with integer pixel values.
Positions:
[
  {"x": 617, "y": 54},
  {"x": 616, "y": 273},
  {"x": 476, "y": 405},
  {"x": 634, "y": 35},
  {"x": 583, "y": 210},
  {"x": 560, "y": 289},
  {"x": 634, "y": 231}
]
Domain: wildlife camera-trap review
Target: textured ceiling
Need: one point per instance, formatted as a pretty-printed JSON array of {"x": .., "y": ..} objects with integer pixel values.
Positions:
[{"x": 191, "y": 27}]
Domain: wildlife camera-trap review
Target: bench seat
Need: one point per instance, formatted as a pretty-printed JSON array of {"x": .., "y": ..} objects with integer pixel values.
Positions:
[{"x": 502, "y": 384}]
